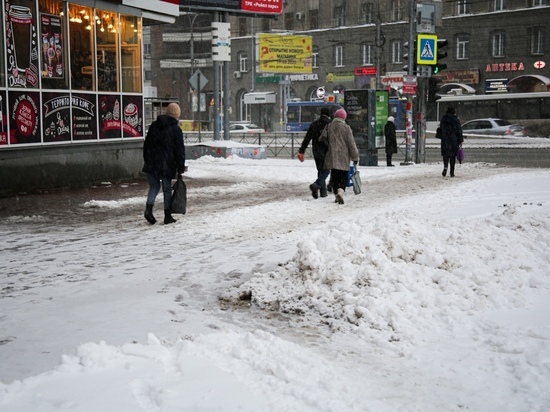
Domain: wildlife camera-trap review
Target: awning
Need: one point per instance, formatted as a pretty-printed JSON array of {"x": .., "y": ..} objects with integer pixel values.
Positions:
[
  {"x": 529, "y": 83},
  {"x": 259, "y": 97}
]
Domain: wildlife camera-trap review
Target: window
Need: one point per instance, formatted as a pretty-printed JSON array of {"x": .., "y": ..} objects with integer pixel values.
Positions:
[
  {"x": 315, "y": 57},
  {"x": 339, "y": 16},
  {"x": 82, "y": 56},
  {"x": 289, "y": 21},
  {"x": 462, "y": 42},
  {"x": 395, "y": 8},
  {"x": 499, "y": 5},
  {"x": 339, "y": 56},
  {"x": 130, "y": 51},
  {"x": 313, "y": 19},
  {"x": 147, "y": 49},
  {"x": 537, "y": 36},
  {"x": 367, "y": 12},
  {"x": 396, "y": 52},
  {"x": 463, "y": 7},
  {"x": 242, "y": 26},
  {"x": 243, "y": 62},
  {"x": 497, "y": 45},
  {"x": 535, "y": 3},
  {"x": 367, "y": 51},
  {"x": 107, "y": 53}
]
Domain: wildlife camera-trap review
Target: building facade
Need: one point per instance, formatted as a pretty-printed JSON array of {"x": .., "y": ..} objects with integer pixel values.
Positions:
[{"x": 494, "y": 46}]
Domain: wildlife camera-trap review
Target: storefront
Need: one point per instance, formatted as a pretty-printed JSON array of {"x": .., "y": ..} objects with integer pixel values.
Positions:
[{"x": 71, "y": 72}]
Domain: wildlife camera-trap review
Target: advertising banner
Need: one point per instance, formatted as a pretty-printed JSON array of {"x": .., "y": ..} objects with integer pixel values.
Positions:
[
  {"x": 248, "y": 6},
  {"x": 24, "y": 117},
  {"x": 57, "y": 113},
  {"x": 52, "y": 46},
  {"x": 84, "y": 116},
  {"x": 285, "y": 54},
  {"x": 110, "y": 125},
  {"x": 21, "y": 45},
  {"x": 132, "y": 116}
]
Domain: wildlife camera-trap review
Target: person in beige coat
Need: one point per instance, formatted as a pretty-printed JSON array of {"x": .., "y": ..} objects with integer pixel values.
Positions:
[{"x": 342, "y": 150}]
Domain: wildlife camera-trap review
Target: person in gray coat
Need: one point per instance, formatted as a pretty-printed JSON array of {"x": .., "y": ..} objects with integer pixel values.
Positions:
[{"x": 342, "y": 150}]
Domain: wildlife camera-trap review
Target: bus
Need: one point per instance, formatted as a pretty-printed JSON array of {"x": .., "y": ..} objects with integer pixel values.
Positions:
[
  {"x": 531, "y": 110},
  {"x": 301, "y": 114}
]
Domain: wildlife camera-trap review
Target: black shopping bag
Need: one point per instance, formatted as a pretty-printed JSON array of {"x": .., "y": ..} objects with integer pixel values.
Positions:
[{"x": 179, "y": 196}]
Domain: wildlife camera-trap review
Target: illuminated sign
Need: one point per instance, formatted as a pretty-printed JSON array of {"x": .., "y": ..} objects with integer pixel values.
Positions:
[
  {"x": 245, "y": 6},
  {"x": 285, "y": 54},
  {"x": 365, "y": 71}
]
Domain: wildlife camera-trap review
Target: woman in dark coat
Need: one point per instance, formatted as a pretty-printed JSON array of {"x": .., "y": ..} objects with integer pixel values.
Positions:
[
  {"x": 391, "y": 140},
  {"x": 163, "y": 154},
  {"x": 451, "y": 139}
]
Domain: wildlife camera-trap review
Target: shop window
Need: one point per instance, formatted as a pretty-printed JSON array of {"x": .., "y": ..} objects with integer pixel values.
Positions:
[
  {"x": 82, "y": 46},
  {"x": 107, "y": 38},
  {"x": 53, "y": 46},
  {"x": 130, "y": 38}
]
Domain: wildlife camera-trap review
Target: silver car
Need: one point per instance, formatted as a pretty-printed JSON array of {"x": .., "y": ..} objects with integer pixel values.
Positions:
[{"x": 494, "y": 127}]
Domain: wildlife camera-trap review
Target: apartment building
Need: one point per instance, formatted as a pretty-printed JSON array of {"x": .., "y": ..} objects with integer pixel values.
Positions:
[{"x": 493, "y": 46}]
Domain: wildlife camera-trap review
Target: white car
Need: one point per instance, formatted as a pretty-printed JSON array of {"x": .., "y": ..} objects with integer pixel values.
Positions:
[{"x": 245, "y": 128}]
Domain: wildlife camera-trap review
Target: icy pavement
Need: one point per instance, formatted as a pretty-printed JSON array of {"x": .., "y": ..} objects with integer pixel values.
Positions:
[{"x": 411, "y": 296}]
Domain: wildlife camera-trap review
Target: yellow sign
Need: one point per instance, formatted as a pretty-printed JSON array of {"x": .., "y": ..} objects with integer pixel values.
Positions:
[{"x": 285, "y": 54}]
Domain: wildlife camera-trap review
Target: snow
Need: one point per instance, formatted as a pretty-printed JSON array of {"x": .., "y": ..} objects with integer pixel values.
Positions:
[{"x": 422, "y": 293}]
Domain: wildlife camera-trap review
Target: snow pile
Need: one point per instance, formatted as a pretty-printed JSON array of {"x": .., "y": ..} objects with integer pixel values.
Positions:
[{"x": 394, "y": 277}]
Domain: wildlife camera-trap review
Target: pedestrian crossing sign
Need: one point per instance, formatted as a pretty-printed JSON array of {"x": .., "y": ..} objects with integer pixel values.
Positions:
[{"x": 426, "y": 52}]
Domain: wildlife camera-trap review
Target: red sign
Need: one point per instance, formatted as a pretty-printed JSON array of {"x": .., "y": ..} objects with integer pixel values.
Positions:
[
  {"x": 539, "y": 64},
  {"x": 365, "y": 71}
]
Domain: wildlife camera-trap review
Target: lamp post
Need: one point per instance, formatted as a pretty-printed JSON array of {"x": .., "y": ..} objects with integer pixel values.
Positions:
[{"x": 192, "y": 60}]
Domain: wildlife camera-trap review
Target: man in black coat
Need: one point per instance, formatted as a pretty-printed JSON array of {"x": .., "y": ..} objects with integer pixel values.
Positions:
[
  {"x": 451, "y": 140},
  {"x": 319, "y": 151},
  {"x": 163, "y": 154}
]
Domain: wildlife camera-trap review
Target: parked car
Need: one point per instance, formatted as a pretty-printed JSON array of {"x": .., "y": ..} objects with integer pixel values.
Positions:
[
  {"x": 245, "y": 128},
  {"x": 494, "y": 127}
]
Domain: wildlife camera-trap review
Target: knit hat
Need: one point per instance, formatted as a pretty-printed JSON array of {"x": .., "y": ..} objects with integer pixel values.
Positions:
[
  {"x": 325, "y": 111},
  {"x": 341, "y": 113},
  {"x": 173, "y": 110},
  {"x": 391, "y": 119}
]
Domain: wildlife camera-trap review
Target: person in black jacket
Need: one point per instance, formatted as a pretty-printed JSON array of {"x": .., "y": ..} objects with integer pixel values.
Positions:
[
  {"x": 163, "y": 154},
  {"x": 319, "y": 151},
  {"x": 451, "y": 140},
  {"x": 391, "y": 140}
]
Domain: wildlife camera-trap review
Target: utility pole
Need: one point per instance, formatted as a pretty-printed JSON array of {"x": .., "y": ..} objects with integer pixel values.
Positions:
[{"x": 409, "y": 127}]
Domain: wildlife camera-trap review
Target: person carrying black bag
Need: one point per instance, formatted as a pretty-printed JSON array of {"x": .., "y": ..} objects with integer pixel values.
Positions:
[{"x": 163, "y": 155}]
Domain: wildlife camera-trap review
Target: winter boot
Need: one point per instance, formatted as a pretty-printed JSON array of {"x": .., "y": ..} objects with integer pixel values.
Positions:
[
  {"x": 168, "y": 217},
  {"x": 148, "y": 214},
  {"x": 340, "y": 197},
  {"x": 444, "y": 173},
  {"x": 314, "y": 190},
  {"x": 323, "y": 192}
]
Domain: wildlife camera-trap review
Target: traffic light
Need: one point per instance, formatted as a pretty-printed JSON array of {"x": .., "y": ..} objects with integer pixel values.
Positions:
[
  {"x": 441, "y": 54},
  {"x": 410, "y": 56}
]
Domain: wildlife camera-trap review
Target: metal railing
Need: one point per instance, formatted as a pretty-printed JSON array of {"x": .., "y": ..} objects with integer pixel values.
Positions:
[{"x": 278, "y": 144}]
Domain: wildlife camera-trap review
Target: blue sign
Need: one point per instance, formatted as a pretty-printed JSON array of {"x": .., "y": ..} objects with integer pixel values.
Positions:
[{"x": 426, "y": 52}]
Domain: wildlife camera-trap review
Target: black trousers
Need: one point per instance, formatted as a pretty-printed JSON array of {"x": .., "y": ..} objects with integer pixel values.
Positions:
[
  {"x": 339, "y": 179},
  {"x": 452, "y": 161}
]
